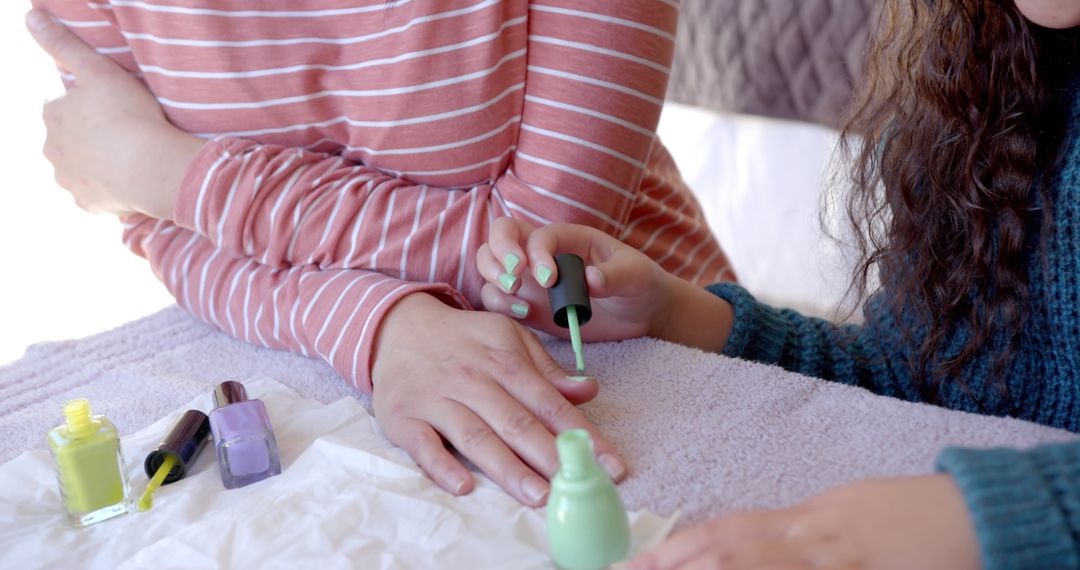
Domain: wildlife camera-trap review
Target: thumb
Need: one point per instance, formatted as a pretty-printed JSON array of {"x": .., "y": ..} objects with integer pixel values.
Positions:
[
  {"x": 627, "y": 272},
  {"x": 70, "y": 53}
]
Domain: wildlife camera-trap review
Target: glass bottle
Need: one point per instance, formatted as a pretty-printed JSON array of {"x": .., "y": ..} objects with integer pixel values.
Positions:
[
  {"x": 89, "y": 465},
  {"x": 246, "y": 449},
  {"x": 587, "y": 524}
]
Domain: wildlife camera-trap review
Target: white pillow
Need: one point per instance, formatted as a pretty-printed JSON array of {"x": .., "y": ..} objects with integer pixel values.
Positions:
[{"x": 760, "y": 182}]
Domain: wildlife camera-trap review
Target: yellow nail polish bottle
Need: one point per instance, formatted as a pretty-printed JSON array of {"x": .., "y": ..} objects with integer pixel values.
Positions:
[{"x": 89, "y": 465}]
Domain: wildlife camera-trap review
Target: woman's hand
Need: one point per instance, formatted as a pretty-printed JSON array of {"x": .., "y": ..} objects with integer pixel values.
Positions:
[
  {"x": 108, "y": 139},
  {"x": 902, "y": 523},
  {"x": 484, "y": 384},
  {"x": 631, "y": 293}
]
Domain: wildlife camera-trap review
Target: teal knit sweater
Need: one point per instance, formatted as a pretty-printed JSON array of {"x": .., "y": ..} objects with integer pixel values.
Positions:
[{"x": 1025, "y": 504}]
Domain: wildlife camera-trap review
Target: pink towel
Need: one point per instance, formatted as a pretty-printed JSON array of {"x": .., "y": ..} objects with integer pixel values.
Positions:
[{"x": 704, "y": 434}]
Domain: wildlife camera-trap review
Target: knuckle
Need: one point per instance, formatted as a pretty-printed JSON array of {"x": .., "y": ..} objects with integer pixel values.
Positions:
[
  {"x": 396, "y": 409},
  {"x": 554, "y": 412},
  {"x": 505, "y": 362},
  {"x": 519, "y": 426},
  {"x": 65, "y": 183},
  {"x": 464, "y": 373},
  {"x": 475, "y": 437},
  {"x": 50, "y": 151},
  {"x": 550, "y": 369},
  {"x": 417, "y": 443}
]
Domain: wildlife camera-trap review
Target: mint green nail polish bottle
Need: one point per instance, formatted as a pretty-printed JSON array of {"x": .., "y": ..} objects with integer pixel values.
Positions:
[{"x": 587, "y": 524}]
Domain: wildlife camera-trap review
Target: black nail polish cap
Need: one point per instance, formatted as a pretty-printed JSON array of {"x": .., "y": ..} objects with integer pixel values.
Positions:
[
  {"x": 569, "y": 289},
  {"x": 185, "y": 440},
  {"x": 229, "y": 392}
]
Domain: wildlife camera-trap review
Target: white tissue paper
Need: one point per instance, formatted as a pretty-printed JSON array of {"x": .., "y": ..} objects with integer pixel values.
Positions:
[{"x": 346, "y": 498}]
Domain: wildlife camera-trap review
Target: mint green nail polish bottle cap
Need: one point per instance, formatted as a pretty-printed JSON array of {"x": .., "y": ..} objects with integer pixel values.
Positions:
[{"x": 587, "y": 524}]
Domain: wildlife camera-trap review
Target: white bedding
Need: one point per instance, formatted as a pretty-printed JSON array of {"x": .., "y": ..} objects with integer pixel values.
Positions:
[{"x": 346, "y": 496}]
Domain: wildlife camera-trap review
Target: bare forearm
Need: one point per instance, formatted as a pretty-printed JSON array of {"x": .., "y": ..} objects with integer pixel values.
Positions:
[
  {"x": 696, "y": 318},
  {"x": 157, "y": 168}
]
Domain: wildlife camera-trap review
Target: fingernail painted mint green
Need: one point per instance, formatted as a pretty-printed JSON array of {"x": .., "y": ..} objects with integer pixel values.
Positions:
[
  {"x": 506, "y": 281},
  {"x": 520, "y": 309},
  {"x": 89, "y": 465},
  {"x": 543, "y": 275},
  {"x": 587, "y": 524},
  {"x": 580, "y": 378},
  {"x": 575, "y": 336},
  {"x": 510, "y": 262}
]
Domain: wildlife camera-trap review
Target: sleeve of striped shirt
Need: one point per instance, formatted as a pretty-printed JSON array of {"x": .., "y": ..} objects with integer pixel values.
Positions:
[
  {"x": 331, "y": 314},
  {"x": 596, "y": 78}
]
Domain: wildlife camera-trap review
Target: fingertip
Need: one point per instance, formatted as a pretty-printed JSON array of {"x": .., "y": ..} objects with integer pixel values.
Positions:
[
  {"x": 541, "y": 245},
  {"x": 504, "y": 237},
  {"x": 595, "y": 278},
  {"x": 448, "y": 473},
  {"x": 519, "y": 310},
  {"x": 544, "y": 275},
  {"x": 457, "y": 483},
  {"x": 36, "y": 20},
  {"x": 511, "y": 260},
  {"x": 508, "y": 282},
  {"x": 534, "y": 490},
  {"x": 577, "y": 389},
  {"x": 615, "y": 467}
]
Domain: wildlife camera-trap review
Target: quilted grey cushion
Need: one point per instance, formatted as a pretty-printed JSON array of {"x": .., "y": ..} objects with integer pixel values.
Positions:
[{"x": 792, "y": 59}]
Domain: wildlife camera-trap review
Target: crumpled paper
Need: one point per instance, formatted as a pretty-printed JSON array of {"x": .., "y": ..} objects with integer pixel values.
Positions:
[{"x": 346, "y": 498}]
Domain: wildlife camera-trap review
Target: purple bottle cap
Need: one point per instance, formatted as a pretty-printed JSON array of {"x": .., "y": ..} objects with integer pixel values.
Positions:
[
  {"x": 229, "y": 392},
  {"x": 184, "y": 442}
]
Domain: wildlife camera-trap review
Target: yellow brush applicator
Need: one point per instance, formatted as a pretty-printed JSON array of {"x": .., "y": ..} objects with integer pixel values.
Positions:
[
  {"x": 147, "y": 499},
  {"x": 169, "y": 462}
]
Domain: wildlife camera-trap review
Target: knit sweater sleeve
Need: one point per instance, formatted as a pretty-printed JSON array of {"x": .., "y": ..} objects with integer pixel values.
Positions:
[
  {"x": 1025, "y": 504},
  {"x": 860, "y": 355}
]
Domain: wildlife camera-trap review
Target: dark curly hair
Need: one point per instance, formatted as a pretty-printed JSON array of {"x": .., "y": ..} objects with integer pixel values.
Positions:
[{"x": 951, "y": 141}]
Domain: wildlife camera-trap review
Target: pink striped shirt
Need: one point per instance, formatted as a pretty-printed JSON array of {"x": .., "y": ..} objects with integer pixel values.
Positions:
[{"x": 358, "y": 149}]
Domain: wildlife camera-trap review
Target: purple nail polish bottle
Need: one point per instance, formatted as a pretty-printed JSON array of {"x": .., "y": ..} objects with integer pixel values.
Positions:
[{"x": 246, "y": 448}]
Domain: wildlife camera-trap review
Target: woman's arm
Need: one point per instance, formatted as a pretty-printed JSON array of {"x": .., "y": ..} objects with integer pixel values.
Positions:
[
  {"x": 995, "y": 509},
  {"x": 1025, "y": 505},
  {"x": 595, "y": 81},
  {"x": 864, "y": 355}
]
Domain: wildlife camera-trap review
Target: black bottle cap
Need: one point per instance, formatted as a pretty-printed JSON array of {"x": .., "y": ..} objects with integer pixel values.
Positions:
[
  {"x": 184, "y": 442},
  {"x": 229, "y": 392},
  {"x": 569, "y": 290}
]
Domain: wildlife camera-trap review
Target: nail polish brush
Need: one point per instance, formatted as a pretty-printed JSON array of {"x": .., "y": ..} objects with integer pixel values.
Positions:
[
  {"x": 168, "y": 463},
  {"x": 569, "y": 299},
  {"x": 147, "y": 499}
]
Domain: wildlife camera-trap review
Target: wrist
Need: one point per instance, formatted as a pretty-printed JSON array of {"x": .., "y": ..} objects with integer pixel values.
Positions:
[
  {"x": 400, "y": 323},
  {"x": 694, "y": 317},
  {"x": 160, "y": 172}
]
